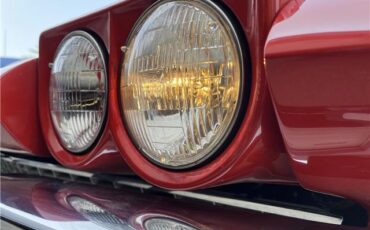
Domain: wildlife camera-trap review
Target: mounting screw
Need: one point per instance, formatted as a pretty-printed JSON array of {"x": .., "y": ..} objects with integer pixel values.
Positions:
[{"x": 124, "y": 49}]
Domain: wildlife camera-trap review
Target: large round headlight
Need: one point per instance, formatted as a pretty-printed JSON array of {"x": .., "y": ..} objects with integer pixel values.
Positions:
[
  {"x": 181, "y": 82},
  {"x": 78, "y": 88}
]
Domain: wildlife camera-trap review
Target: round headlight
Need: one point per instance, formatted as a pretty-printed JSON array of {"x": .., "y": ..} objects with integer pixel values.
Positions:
[
  {"x": 78, "y": 88},
  {"x": 181, "y": 82}
]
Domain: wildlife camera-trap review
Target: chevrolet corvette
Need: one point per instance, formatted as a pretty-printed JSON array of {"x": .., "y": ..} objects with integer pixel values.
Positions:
[{"x": 192, "y": 114}]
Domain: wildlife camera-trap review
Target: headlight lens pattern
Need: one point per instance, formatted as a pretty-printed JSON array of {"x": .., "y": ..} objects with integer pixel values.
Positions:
[
  {"x": 78, "y": 88},
  {"x": 181, "y": 82}
]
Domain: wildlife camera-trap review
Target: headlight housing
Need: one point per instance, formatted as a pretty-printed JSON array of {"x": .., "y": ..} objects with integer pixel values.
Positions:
[
  {"x": 78, "y": 91},
  {"x": 181, "y": 82}
]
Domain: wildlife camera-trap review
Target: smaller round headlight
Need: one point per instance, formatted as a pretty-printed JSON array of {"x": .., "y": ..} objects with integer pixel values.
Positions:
[{"x": 78, "y": 88}]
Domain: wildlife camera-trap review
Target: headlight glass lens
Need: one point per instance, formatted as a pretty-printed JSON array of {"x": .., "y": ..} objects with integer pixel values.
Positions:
[
  {"x": 181, "y": 82},
  {"x": 78, "y": 87}
]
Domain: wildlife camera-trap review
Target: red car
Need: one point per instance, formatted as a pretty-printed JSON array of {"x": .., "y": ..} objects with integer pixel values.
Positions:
[{"x": 250, "y": 101}]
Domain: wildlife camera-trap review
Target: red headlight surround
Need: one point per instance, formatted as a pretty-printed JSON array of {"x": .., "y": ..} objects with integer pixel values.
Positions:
[
  {"x": 256, "y": 152},
  {"x": 240, "y": 159},
  {"x": 103, "y": 155},
  {"x": 236, "y": 73},
  {"x": 74, "y": 93}
]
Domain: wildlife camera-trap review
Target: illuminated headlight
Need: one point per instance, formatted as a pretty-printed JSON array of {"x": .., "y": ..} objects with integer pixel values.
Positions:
[
  {"x": 181, "y": 83},
  {"x": 78, "y": 88}
]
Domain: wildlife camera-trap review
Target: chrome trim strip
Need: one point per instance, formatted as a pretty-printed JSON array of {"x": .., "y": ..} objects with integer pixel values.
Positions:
[
  {"x": 134, "y": 184},
  {"x": 44, "y": 169},
  {"x": 2, "y": 149},
  {"x": 25, "y": 219},
  {"x": 31, "y": 167},
  {"x": 264, "y": 208},
  {"x": 54, "y": 168}
]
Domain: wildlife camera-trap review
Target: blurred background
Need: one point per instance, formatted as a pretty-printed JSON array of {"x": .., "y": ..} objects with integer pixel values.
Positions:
[{"x": 22, "y": 22}]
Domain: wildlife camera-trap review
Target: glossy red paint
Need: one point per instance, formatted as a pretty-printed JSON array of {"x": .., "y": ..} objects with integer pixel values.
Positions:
[
  {"x": 134, "y": 209},
  {"x": 319, "y": 82},
  {"x": 104, "y": 156},
  {"x": 20, "y": 186},
  {"x": 9, "y": 142},
  {"x": 37, "y": 196},
  {"x": 255, "y": 154},
  {"x": 20, "y": 124},
  {"x": 42, "y": 200},
  {"x": 319, "y": 78}
]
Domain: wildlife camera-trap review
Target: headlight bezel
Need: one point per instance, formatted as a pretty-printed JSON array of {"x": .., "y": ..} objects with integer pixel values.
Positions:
[
  {"x": 99, "y": 46},
  {"x": 232, "y": 28}
]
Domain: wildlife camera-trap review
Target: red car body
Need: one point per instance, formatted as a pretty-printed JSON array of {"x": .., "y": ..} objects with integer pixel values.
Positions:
[
  {"x": 324, "y": 110},
  {"x": 307, "y": 120},
  {"x": 47, "y": 200}
]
